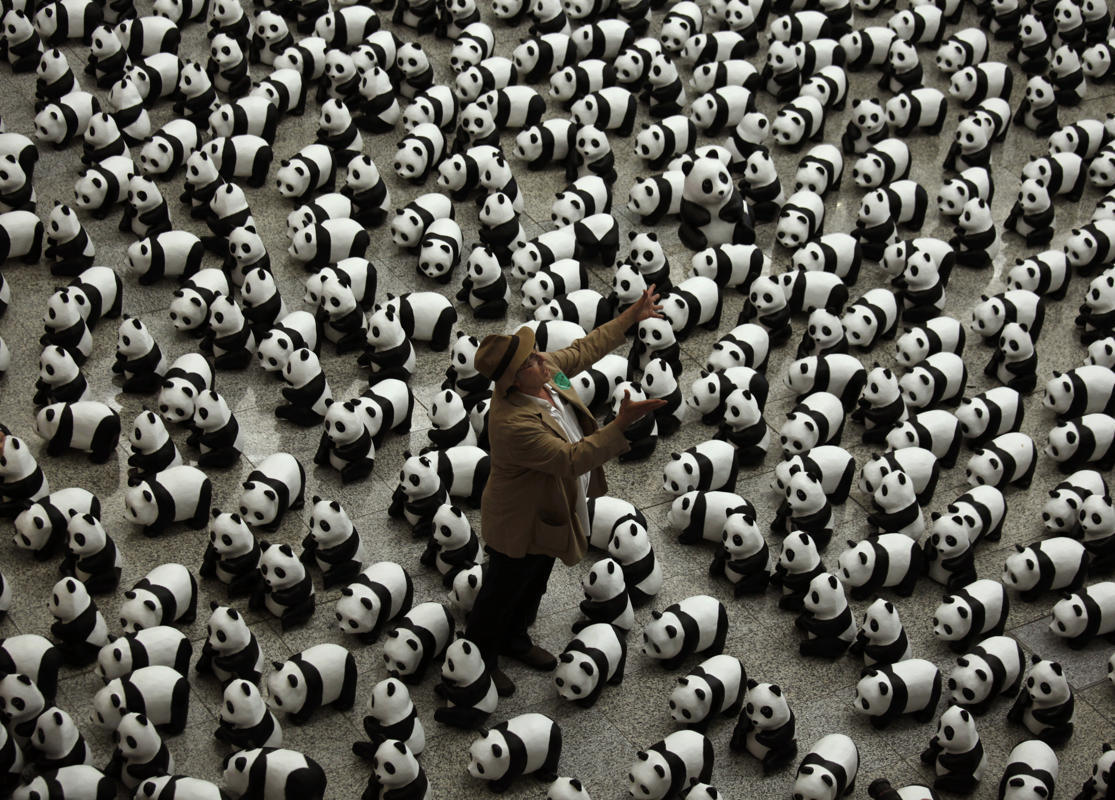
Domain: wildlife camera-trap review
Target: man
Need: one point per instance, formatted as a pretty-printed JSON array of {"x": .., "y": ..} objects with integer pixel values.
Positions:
[{"x": 547, "y": 460}]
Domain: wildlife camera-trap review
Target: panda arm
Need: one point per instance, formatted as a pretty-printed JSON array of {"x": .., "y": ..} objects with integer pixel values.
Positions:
[
  {"x": 535, "y": 446},
  {"x": 694, "y": 214},
  {"x": 587, "y": 350}
]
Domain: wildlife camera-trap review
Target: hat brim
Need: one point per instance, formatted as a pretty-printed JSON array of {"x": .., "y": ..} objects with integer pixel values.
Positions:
[{"x": 520, "y": 346}]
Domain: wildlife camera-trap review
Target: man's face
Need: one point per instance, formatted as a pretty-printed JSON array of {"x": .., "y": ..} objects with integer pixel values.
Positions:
[{"x": 532, "y": 374}]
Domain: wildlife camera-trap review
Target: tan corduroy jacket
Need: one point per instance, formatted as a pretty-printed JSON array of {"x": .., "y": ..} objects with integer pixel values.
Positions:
[{"x": 530, "y": 502}]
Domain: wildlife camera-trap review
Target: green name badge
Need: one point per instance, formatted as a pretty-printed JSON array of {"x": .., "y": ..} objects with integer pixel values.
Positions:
[{"x": 561, "y": 381}]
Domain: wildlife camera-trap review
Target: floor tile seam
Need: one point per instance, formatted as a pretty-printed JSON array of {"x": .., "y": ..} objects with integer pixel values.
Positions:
[{"x": 1106, "y": 715}]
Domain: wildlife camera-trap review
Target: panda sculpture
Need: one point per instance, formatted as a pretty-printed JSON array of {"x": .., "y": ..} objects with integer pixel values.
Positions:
[
  {"x": 421, "y": 637},
  {"x": 956, "y": 752},
  {"x": 862, "y": 565},
  {"x": 978, "y": 610},
  {"x": 245, "y": 721},
  {"x": 1032, "y": 769},
  {"x": 698, "y": 624},
  {"x": 1045, "y": 706},
  {"x": 391, "y": 715},
  {"x": 261, "y": 771},
  {"x": 826, "y": 620},
  {"x": 887, "y": 692},
  {"x": 829, "y": 770},
  {"x": 596, "y": 657},
  {"x": 231, "y": 651},
  {"x": 682, "y": 758},
  {"x": 529, "y": 743},
  {"x": 881, "y": 638},
  {"x": 286, "y": 591},
  {"x": 322, "y": 675},
  {"x": 158, "y": 692},
  {"x": 140, "y": 752},
  {"x": 78, "y": 625},
  {"x": 92, "y": 556},
  {"x": 1082, "y": 616},
  {"x": 992, "y": 668},
  {"x": 175, "y": 494}
]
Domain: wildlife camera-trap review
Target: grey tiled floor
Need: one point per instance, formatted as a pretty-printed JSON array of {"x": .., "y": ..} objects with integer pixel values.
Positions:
[{"x": 601, "y": 742}]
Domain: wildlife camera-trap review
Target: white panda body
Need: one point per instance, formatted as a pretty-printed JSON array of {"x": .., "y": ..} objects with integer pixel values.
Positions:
[
  {"x": 877, "y": 696},
  {"x": 709, "y": 465},
  {"x": 420, "y": 637},
  {"x": 938, "y": 380},
  {"x": 828, "y": 769},
  {"x": 978, "y": 610},
  {"x": 321, "y": 675},
  {"x": 817, "y": 420},
  {"x": 872, "y": 317},
  {"x": 1085, "y": 614},
  {"x": 936, "y": 430},
  {"x": 379, "y": 595},
  {"x": 158, "y": 692},
  {"x": 161, "y": 645},
  {"x": 1044, "y": 273},
  {"x": 991, "y": 668},
  {"x": 1054, "y": 564},
  {"x": 1009, "y": 458},
  {"x": 1060, "y": 513},
  {"x": 888, "y": 560},
  {"x": 267, "y": 770},
  {"x": 701, "y": 515},
  {"x": 595, "y": 657}
]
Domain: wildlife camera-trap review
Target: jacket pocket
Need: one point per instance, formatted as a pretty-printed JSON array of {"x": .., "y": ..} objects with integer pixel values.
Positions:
[{"x": 549, "y": 537}]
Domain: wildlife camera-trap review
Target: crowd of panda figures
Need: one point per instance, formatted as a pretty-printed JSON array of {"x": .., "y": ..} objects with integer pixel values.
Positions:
[{"x": 711, "y": 180}]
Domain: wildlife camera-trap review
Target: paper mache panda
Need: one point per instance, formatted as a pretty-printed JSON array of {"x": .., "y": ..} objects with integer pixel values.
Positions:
[
  {"x": 321, "y": 675},
  {"x": 231, "y": 651},
  {"x": 286, "y": 591},
  {"x": 1045, "y": 705},
  {"x": 245, "y": 721}
]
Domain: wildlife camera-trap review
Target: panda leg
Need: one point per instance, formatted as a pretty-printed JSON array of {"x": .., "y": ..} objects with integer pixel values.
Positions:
[
  {"x": 219, "y": 458},
  {"x": 753, "y": 584},
  {"x": 303, "y": 417},
  {"x": 36, "y": 249},
  {"x": 717, "y": 646},
  {"x": 105, "y": 440},
  {"x": 298, "y": 615},
  {"x": 348, "y": 691},
  {"x": 240, "y": 585},
  {"x": 260, "y": 164},
  {"x": 628, "y": 124},
  {"x": 714, "y": 322},
  {"x": 1023, "y": 481},
  {"x": 357, "y": 470},
  {"x": 461, "y": 717}
]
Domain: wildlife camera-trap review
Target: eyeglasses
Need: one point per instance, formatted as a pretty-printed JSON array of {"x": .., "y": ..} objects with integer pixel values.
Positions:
[{"x": 534, "y": 358}]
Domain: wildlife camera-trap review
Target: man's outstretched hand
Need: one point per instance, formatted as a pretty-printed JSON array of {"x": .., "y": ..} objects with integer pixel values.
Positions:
[
  {"x": 631, "y": 411},
  {"x": 646, "y": 307}
]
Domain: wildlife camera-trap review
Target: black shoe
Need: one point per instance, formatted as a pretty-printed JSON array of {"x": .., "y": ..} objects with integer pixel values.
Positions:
[
  {"x": 535, "y": 658},
  {"x": 505, "y": 687}
]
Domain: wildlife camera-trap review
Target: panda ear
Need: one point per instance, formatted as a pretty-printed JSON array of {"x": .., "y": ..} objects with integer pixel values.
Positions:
[
  {"x": 315, "y": 499},
  {"x": 276, "y": 665},
  {"x": 129, "y": 595},
  {"x": 150, "y": 604},
  {"x": 1035, "y": 658}
]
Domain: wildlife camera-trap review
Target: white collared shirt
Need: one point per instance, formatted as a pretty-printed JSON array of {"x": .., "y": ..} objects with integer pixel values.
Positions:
[{"x": 566, "y": 417}]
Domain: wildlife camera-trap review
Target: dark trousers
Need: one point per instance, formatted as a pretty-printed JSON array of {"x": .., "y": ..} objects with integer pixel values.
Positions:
[{"x": 507, "y": 604}]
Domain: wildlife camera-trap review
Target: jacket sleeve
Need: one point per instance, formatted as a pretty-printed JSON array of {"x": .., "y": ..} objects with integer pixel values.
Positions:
[
  {"x": 538, "y": 448},
  {"x": 589, "y": 349}
]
